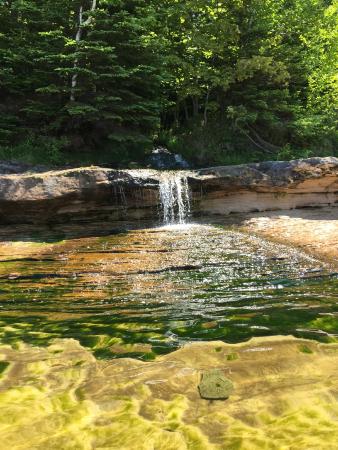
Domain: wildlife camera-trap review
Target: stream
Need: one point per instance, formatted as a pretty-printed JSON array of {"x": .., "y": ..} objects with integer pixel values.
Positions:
[
  {"x": 107, "y": 331},
  {"x": 146, "y": 292}
]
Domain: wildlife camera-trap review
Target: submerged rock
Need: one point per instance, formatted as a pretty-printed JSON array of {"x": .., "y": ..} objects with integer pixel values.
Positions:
[{"x": 215, "y": 386}]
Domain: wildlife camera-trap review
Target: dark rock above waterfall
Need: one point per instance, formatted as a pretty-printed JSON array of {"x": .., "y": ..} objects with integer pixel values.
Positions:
[
  {"x": 12, "y": 167},
  {"x": 162, "y": 159},
  {"x": 95, "y": 193}
]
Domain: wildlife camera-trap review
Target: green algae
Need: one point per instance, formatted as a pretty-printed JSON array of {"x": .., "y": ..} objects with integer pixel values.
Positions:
[
  {"x": 232, "y": 356},
  {"x": 3, "y": 366},
  {"x": 214, "y": 385},
  {"x": 108, "y": 300},
  {"x": 327, "y": 323},
  {"x": 305, "y": 349}
]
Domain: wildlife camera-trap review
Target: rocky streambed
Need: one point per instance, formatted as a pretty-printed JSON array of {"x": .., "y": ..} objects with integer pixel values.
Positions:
[
  {"x": 108, "y": 323},
  {"x": 61, "y": 397},
  {"x": 104, "y": 340}
]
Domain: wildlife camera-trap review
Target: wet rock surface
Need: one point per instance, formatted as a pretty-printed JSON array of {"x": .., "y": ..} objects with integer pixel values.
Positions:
[{"x": 314, "y": 230}]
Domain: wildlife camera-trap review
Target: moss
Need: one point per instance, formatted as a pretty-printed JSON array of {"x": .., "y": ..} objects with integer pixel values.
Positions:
[
  {"x": 305, "y": 349},
  {"x": 279, "y": 195},
  {"x": 214, "y": 385},
  {"x": 327, "y": 323},
  {"x": 79, "y": 363},
  {"x": 3, "y": 367},
  {"x": 150, "y": 356},
  {"x": 79, "y": 394}
]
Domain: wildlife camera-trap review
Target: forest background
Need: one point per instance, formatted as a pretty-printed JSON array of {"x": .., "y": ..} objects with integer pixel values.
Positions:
[{"x": 219, "y": 81}]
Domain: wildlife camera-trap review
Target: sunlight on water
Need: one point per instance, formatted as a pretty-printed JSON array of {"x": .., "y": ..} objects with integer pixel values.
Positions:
[
  {"x": 104, "y": 340},
  {"x": 146, "y": 292},
  {"x": 62, "y": 398},
  {"x": 180, "y": 227}
]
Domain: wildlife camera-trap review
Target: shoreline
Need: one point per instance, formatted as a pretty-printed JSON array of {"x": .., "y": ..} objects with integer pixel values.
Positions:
[{"x": 314, "y": 231}]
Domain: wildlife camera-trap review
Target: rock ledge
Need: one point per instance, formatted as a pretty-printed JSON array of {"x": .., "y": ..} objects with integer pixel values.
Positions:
[{"x": 88, "y": 193}]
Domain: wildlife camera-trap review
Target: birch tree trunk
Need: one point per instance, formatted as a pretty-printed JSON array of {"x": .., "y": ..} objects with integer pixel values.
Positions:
[{"x": 78, "y": 40}]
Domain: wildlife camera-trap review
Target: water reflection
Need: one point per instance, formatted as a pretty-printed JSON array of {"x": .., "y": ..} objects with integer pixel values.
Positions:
[{"x": 147, "y": 292}]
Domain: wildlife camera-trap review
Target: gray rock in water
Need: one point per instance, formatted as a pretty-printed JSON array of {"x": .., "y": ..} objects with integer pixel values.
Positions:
[{"x": 215, "y": 386}]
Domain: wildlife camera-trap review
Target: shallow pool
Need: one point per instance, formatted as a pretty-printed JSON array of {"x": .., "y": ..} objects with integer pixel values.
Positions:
[{"x": 145, "y": 292}]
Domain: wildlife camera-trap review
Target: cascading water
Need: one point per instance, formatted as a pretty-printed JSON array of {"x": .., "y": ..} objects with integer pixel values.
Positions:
[{"x": 174, "y": 197}]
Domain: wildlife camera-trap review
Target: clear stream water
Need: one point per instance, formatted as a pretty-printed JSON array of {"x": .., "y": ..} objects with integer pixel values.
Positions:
[{"x": 146, "y": 292}]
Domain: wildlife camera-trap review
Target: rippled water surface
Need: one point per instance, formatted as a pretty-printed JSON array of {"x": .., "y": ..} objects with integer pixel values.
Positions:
[{"x": 145, "y": 292}]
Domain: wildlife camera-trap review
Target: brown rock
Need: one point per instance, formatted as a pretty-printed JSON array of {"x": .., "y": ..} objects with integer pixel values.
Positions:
[{"x": 95, "y": 193}]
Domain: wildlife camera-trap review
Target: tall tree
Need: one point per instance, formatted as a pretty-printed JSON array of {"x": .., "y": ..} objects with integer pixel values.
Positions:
[
  {"x": 218, "y": 76},
  {"x": 84, "y": 69}
]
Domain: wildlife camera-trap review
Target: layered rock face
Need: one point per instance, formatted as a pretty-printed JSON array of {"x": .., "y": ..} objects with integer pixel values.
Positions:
[
  {"x": 97, "y": 193},
  {"x": 270, "y": 186},
  {"x": 77, "y": 195}
]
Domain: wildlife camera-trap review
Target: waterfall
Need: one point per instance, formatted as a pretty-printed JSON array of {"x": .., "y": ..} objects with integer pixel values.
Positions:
[{"x": 174, "y": 197}]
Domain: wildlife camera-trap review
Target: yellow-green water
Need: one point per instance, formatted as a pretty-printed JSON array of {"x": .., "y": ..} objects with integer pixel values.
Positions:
[
  {"x": 72, "y": 310},
  {"x": 61, "y": 397},
  {"x": 147, "y": 292}
]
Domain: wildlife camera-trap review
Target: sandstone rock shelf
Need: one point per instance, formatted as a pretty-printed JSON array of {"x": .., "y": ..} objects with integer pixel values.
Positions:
[{"x": 85, "y": 194}]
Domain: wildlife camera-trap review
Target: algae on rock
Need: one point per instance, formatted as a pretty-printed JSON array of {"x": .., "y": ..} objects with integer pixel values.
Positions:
[{"x": 215, "y": 386}]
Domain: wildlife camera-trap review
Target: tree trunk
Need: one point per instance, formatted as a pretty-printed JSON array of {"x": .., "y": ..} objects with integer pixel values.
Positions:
[
  {"x": 272, "y": 147},
  {"x": 206, "y": 108},
  {"x": 257, "y": 144},
  {"x": 195, "y": 106},
  {"x": 76, "y": 61},
  {"x": 177, "y": 115},
  {"x": 186, "y": 111},
  {"x": 78, "y": 40}
]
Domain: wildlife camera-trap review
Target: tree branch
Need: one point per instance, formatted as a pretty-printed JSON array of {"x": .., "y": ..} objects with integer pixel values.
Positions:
[{"x": 78, "y": 40}]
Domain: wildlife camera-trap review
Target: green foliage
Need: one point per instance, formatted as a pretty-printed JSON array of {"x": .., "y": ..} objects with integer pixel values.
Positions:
[
  {"x": 94, "y": 79},
  {"x": 35, "y": 150},
  {"x": 288, "y": 153},
  {"x": 220, "y": 81},
  {"x": 305, "y": 349},
  {"x": 263, "y": 71}
]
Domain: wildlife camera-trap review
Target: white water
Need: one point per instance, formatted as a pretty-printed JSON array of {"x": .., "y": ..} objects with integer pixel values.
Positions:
[{"x": 174, "y": 197}]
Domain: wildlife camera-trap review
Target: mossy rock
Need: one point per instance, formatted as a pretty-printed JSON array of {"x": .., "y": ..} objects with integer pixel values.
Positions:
[{"x": 215, "y": 386}]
